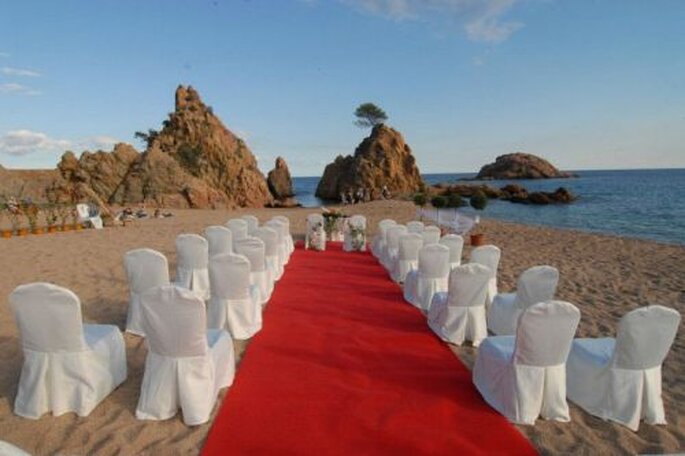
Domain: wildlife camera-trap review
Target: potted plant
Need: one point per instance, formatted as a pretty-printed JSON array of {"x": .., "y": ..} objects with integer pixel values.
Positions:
[
  {"x": 73, "y": 217},
  {"x": 50, "y": 214},
  {"x": 63, "y": 214},
  {"x": 4, "y": 211},
  {"x": 331, "y": 224},
  {"x": 479, "y": 202},
  {"x": 438, "y": 203},
  {"x": 420, "y": 200},
  {"x": 32, "y": 213}
]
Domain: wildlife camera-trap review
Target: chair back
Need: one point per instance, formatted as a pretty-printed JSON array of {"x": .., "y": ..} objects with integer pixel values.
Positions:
[
  {"x": 487, "y": 255},
  {"x": 192, "y": 251},
  {"x": 410, "y": 244},
  {"x": 431, "y": 235},
  {"x": 145, "y": 269},
  {"x": 277, "y": 226},
  {"x": 255, "y": 251},
  {"x": 314, "y": 219},
  {"x": 269, "y": 236},
  {"x": 645, "y": 336},
  {"x": 357, "y": 221},
  {"x": 175, "y": 322},
  {"x": 545, "y": 332},
  {"x": 82, "y": 211},
  {"x": 284, "y": 219},
  {"x": 48, "y": 317},
  {"x": 383, "y": 226},
  {"x": 536, "y": 284},
  {"x": 434, "y": 261},
  {"x": 393, "y": 236},
  {"x": 238, "y": 227},
  {"x": 468, "y": 285},
  {"x": 229, "y": 276},
  {"x": 220, "y": 239},
  {"x": 415, "y": 226},
  {"x": 455, "y": 243},
  {"x": 281, "y": 226},
  {"x": 252, "y": 223}
]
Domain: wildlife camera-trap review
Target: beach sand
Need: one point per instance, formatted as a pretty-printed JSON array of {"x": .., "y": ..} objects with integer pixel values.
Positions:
[{"x": 604, "y": 276}]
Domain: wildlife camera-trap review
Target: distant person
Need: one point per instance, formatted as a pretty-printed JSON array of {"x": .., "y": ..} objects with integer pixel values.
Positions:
[
  {"x": 350, "y": 196},
  {"x": 343, "y": 199},
  {"x": 385, "y": 193}
]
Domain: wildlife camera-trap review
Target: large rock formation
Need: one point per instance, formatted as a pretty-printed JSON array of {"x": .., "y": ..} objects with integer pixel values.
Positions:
[
  {"x": 382, "y": 159},
  {"x": 520, "y": 165},
  {"x": 279, "y": 181}
]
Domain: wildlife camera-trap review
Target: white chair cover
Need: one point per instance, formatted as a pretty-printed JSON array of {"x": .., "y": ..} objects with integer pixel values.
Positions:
[
  {"x": 252, "y": 223},
  {"x": 84, "y": 215},
  {"x": 7, "y": 449},
  {"x": 234, "y": 304},
  {"x": 355, "y": 234},
  {"x": 254, "y": 250},
  {"x": 536, "y": 284},
  {"x": 459, "y": 314},
  {"x": 238, "y": 228},
  {"x": 455, "y": 243},
  {"x": 290, "y": 244},
  {"x": 269, "y": 236},
  {"x": 68, "y": 366},
  {"x": 219, "y": 240},
  {"x": 488, "y": 255},
  {"x": 524, "y": 376},
  {"x": 186, "y": 363},
  {"x": 192, "y": 258},
  {"x": 392, "y": 246},
  {"x": 415, "y": 226},
  {"x": 431, "y": 235},
  {"x": 315, "y": 237},
  {"x": 431, "y": 276},
  {"x": 378, "y": 242},
  {"x": 277, "y": 226},
  {"x": 145, "y": 269},
  {"x": 620, "y": 379},
  {"x": 408, "y": 256}
]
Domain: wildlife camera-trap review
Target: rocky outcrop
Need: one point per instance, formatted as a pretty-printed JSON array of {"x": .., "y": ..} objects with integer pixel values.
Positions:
[
  {"x": 26, "y": 184},
  {"x": 520, "y": 166},
  {"x": 511, "y": 192},
  {"x": 279, "y": 181},
  {"x": 382, "y": 159}
]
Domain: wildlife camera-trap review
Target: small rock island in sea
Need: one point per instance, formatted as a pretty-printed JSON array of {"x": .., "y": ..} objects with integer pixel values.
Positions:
[{"x": 520, "y": 165}]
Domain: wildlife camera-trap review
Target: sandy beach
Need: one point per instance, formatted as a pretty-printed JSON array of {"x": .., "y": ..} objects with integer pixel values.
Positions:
[{"x": 604, "y": 276}]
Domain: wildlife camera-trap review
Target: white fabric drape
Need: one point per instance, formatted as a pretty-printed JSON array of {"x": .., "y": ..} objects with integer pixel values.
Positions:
[
  {"x": 408, "y": 256},
  {"x": 455, "y": 243},
  {"x": 186, "y": 364},
  {"x": 620, "y": 379},
  {"x": 68, "y": 366},
  {"x": 254, "y": 250},
  {"x": 536, "y": 284},
  {"x": 431, "y": 276},
  {"x": 355, "y": 234},
  {"x": 378, "y": 242},
  {"x": 219, "y": 240},
  {"x": 235, "y": 304},
  {"x": 145, "y": 269},
  {"x": 392, "y": 246},
  {"x": 315, "y": 237},
  {"x": 431, "y": 235},
  {"x": 269, "y": 236},
  {"x": 524, "y": 376},
  {"x": 415, "y": 226},
  {"x": 252, "y": 223},
  {"x": 281, "y": 246},
  {"x": 459, "y": 314},
  {"x": 238, "y": 228},
  {"x": 192, "y": 258},
  {"x": 283, "y": 229},
  {"x": 488, "y": 255},
  {"x": 289, "y": 243}
]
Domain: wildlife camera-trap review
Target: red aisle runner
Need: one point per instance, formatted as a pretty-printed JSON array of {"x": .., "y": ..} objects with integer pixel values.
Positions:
[{"x": 345, "y": 366}]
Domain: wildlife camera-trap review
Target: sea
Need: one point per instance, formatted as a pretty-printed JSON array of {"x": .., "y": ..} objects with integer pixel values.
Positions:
[{"x": 643, "y": 204}]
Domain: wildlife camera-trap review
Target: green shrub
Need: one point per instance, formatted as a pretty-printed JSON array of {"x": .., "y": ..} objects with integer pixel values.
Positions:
[
  {"x": 439, "y": 202},
  {"x": 479, "y": 201},
  {"x": 455, "y": 200},
  {"x": 420, "y": 199}
]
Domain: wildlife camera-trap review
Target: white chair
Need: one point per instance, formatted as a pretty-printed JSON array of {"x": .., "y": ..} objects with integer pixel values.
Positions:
[
  {"x": 620, "y": 379},
  {"x": 392, "y": 246},
  {"x": 355, "y": 234},
  {"x": 68, "y": 366},
  {"x": 459, "y": 314},
  {"x": 488, "y": 255},
  {"x": 7, "y": 449},
  {"x": 89, "y": 214},
  {"x": 524, "y": 376},
  {"x": 315, "y": 237},
  {"x": 378, "y": 242},
  {"x": 219, "y": 239},
  {"x": 282, "y": 247},
  {"x": 431, "y": 235},
  {"x": 536, "y": 284},
  {"x": 234, "y": 304},
  {"x": 252, "y": 223},
  {"x": 290, "y": 244},
  {"x": 192, "y": 258},
  {"x": 415, "y": 226},
  {"x": 238, "y": 228},
  {"x": 145, "y": 269},
  {"x": 455, "y": 243},
  {"x": 186, "y": 363},
  {"x": 408, "y": 256},
  {"x": 269, "y": 236},
  {"x": 431, "y": 276},
  {"x": 254, "y": 250}
]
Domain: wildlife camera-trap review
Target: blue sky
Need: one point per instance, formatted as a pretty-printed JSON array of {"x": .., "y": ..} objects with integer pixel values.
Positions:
[{"x": 586, "y": 84}]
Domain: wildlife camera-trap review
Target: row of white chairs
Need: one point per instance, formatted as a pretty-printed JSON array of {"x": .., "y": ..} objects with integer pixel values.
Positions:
[
  {"x": 532, "y": 363},
  {"x": 70, "y": 366}
]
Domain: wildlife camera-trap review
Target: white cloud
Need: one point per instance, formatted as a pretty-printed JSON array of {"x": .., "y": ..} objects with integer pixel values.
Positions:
[
  {"x": 10, "y": 71},
  {"x": 17, "y": 89},
  {"x": 481, "y": 20},
  {"x": 23, "y": 142}
]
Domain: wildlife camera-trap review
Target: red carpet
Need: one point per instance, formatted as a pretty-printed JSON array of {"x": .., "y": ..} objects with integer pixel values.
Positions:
[{"x": 345, "y": 366}]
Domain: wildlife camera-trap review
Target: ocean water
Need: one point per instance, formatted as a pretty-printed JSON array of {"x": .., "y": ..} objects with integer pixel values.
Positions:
[{"x": 645, "y": 204}]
